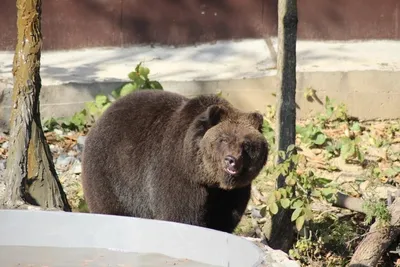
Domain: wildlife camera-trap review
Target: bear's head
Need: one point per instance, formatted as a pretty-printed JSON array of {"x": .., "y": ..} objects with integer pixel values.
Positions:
[{"x": 232, "y": 147}]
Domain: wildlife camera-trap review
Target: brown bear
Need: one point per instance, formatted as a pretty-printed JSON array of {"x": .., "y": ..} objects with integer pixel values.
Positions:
[{"x": 159, "y": 155}]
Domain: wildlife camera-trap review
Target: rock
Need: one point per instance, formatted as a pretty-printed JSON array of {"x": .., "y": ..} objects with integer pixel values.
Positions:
[
  {"x": 255, "y": 213},
  {"x": 374, "y": 153},
  {"x": 81, "y": 139},
  {"x": 80, "y": 143},
  {"x": 72, "y": 153},
  {"x": 2, "y": 182},
  {"x": 394, "y": 152},
  {"x": 378, "y": 191},
  {"x": 5, "y": 145},
  {"x": 395, "y": 148},
  {"x": 354, "y": 169},
  {"x": 273, "y": 257},
  {"x": 317, "y": 151},
  {"x": 2, "y": 188},
  {"x": 54, "y": 149},
  {"x": 2, "y": 165},
  {"x": 64, "y": 161},
  {"x": 72, "y": 186},
  {"x": 77, "y": 167},
  {"x": 58, "y": 132}
]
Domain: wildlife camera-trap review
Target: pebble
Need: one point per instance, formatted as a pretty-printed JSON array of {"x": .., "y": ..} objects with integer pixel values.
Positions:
[
  {"x": 80, "y": 143},
  {"x": 273, "y": 257},
  {"x": 77, "y": 167},
  {"x": 64, "y": 160},
  {"x": 255, "y": 213},
  {"x": 54, "y": 149},
  {"x": 58, "y": 132},
  {"x": 4, "y": 145},
  {"x": 2, "y": 165},
  {"x": 72, "y": 153},
  {"x": 81, "y": 139}
]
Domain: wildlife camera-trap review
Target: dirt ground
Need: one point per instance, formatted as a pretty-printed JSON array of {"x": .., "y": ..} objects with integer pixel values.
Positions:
[{"x": 374, "y": 176}]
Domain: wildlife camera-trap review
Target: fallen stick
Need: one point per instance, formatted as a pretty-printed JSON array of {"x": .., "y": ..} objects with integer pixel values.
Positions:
[{"x": 348, "y": 202}]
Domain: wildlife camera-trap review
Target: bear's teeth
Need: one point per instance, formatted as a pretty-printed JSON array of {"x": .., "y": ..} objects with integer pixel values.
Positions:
[{"x": 231, "y": 171}]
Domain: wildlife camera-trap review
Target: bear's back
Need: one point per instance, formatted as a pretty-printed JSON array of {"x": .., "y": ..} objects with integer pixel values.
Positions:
[
  {"x": 122, "y": 148},
  {"x": 134, "y": 117}
]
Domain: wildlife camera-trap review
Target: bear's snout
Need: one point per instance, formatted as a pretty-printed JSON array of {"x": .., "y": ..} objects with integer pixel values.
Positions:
[{"x": 233, "y": 165}]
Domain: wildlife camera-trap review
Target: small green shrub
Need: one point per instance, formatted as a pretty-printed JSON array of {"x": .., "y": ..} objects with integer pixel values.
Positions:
[
  {"x": 378, "y": 210},
  {"x": 333, "y": 113},
  {"x": 93, "y": 110},
  {"x": 301, "y": 188},
  {"x": 311, "y": 135}
]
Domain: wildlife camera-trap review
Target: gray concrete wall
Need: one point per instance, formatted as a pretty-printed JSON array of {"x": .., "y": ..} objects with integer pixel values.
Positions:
[{"x": 368, "y": 94}]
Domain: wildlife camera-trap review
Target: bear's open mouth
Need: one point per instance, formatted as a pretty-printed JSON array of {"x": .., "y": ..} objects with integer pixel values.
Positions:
[{"x": 231, "y": 171}]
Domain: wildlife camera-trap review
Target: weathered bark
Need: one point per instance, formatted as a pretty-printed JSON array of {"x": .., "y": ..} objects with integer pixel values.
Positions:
[
  {"x": 30, "y": 175},
  {"x": 280, "y": 233},
  {"x": 286, "y": 76},
  {"x": 378, "y": 239}
]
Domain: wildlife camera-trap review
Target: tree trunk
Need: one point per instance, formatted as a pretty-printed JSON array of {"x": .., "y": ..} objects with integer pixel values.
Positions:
[
  {"x": 280, "y": 233},
  {"x": 30, "y": 175},
  {"x": 378, "y": 239}
]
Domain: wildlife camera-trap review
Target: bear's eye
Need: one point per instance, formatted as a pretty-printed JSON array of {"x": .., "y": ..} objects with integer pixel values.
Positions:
[
  {"x": 249, "y": 148},
  {"x": 223, "y": 139}
]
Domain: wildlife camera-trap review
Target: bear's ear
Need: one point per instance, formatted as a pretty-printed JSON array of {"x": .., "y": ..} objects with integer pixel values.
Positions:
[
  {"x": 213, "y": 115},
  {"x": 257, "y": 120}
]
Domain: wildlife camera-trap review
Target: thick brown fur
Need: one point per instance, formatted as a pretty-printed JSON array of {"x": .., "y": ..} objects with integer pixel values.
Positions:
[{"x": 158, "y": 155}]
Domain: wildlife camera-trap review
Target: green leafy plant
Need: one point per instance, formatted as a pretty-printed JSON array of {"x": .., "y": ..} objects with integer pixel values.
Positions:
[
  {"x": 332, "y": 148},
  {"x": 300, "y": 190},
  {"x": 393, "y": 129},
  {"x": 93, "y": 109},
  {"x": 376, "y": 209},
  {"x": 392, "y": 172},
  {"x": 333, "y": 112},
  {"x": 139, "y": 80},
  {"x": 350, "y": 148},
  {"x": 328, "y": 241},
  {"x": 75, "y": 123},
  {"x": 269, "y": 134},
  {"x": 389, "y": 173},
  {"x": 306, "y": 249},
  {"x": 378, "y": 141},
  {"x": 311, "y": 135}
]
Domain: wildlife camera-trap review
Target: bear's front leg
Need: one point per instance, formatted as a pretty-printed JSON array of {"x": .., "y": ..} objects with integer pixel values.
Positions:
[
  {"x": 182, "y": 204},
  {"x": 226, "y": 207}
]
